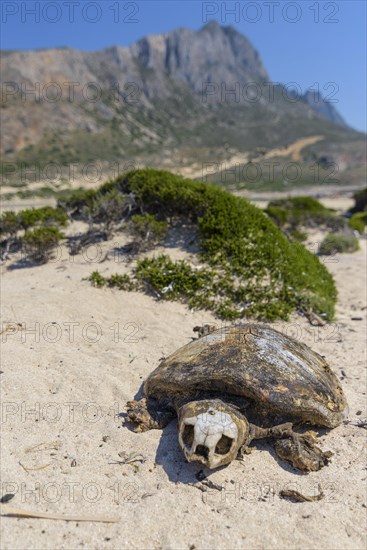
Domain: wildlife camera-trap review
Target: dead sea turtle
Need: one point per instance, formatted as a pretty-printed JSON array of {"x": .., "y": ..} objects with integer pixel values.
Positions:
[{"x": 242, "y": 383}]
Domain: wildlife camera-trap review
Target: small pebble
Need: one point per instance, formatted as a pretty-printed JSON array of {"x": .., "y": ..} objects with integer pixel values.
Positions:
[{"x": 6, "y": 498}]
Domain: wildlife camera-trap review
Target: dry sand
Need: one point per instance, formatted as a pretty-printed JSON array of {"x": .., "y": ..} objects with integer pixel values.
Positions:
[{"x": 64, "y": 387}]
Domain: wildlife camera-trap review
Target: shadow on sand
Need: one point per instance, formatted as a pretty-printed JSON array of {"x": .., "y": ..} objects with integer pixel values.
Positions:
[{"x": 178, "y": 470}]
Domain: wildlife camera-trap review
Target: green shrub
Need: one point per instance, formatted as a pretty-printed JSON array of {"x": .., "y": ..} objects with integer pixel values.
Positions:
[
  {"x": 176, "y": 280},
  {"x": 336, "y": 223},
  {"x": 358, "y": 222},
  {"x": 78, "y": 201},
  {"x": 96, "y": 279},
  {"x": 108, "y": 209},
  {"x": 303, "y": 211},
  {"x": 250, "y": 268},
  {"x": 106, "y": 206},
  {"x": 161, "y": 193},
  {"x": 300, "y": 204},
  {"x": 148, "y": 230},
  {"x": 41, "y": 242},
  {"x": 277, "y": 214},
  {"x": 338, "y": 242},
  {"x": 122, "y": 282},
  {"x": 9, "y": 223},
  {"x": 42, "y": 216},
  {"x": 298, "y": 235},
  {"x": 12, "y": 222}
]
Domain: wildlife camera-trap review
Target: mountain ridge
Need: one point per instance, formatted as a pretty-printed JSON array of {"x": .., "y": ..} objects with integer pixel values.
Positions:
[{"x": 184, "y": 89}]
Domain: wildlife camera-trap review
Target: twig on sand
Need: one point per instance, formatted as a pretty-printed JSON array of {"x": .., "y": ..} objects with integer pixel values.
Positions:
[
  {"x": 52, "y": 445},
  {"x": 130, "y": 458},
  {"x": 295, "y": 496},
  {"x": 362, "y": 423},
  {"x": 35, "y": 468},
  {"x": 207, "y": 484},
  {"x": 6, "y": 510},
  {"x": 314, "y": 319}
]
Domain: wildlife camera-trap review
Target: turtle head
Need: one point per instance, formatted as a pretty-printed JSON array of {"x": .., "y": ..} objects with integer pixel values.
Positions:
[{"x": 211, "y": 432}]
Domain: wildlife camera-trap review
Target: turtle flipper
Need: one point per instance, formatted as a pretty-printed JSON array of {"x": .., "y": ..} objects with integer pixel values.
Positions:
[
  {"x": 276, "y": 432},
  {"x": 298, "y": 449},
  {"x": 147, "y": 417},
  {"x": 256, "y": 432},
  {"x": 302, "y": 452}
]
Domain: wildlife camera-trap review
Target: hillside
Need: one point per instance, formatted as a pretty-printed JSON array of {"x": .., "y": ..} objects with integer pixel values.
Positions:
[{"x": 168, "y": 100}]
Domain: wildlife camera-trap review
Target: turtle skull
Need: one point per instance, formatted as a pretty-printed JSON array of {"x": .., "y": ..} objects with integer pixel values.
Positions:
[{"x": 211, "y": 432}]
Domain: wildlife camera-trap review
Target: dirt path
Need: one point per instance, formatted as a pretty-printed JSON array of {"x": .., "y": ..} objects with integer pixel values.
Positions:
[{"x": 292, "y": 150}]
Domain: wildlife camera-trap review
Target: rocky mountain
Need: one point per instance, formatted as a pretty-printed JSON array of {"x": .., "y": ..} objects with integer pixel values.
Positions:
[
  {"x": 179, "y": 97},
  {"x": 323, "y": 107}
]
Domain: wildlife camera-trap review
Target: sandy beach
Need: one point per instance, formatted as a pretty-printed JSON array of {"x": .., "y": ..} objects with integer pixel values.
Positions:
[{"x": 73, "y": 355}]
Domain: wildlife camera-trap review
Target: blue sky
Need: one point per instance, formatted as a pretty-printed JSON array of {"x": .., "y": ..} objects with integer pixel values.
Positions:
[{"x": 313, "y": 43}]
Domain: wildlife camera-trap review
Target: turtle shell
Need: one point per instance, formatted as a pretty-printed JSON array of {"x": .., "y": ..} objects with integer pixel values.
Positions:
[{"x": 276, "y": 372}]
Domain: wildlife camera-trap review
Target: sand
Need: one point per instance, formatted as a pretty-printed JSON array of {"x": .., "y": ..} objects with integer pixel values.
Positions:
[{"x": 72, "y": 355}]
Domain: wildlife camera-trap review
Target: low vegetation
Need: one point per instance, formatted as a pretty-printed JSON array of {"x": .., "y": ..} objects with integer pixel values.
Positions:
[
  {"x": 107, "y": 209},
  {"x": 335, "y": 243},
  {"x": 358, "y": 222},
  {"x": 41, "y": 242},
  {"x": 147, "y": 230},
  {"x": 42, "y": 216},
  {"x": 121, "y": 282},
  {"x": 245, "y": 265},
  {"x": 12, "y": 222},
  {"x": 292, "y": 214},
  {"x": 248, "y": 267},
  {"x": 9, "y": 224},
  {"x": 358, "y": 219}
]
